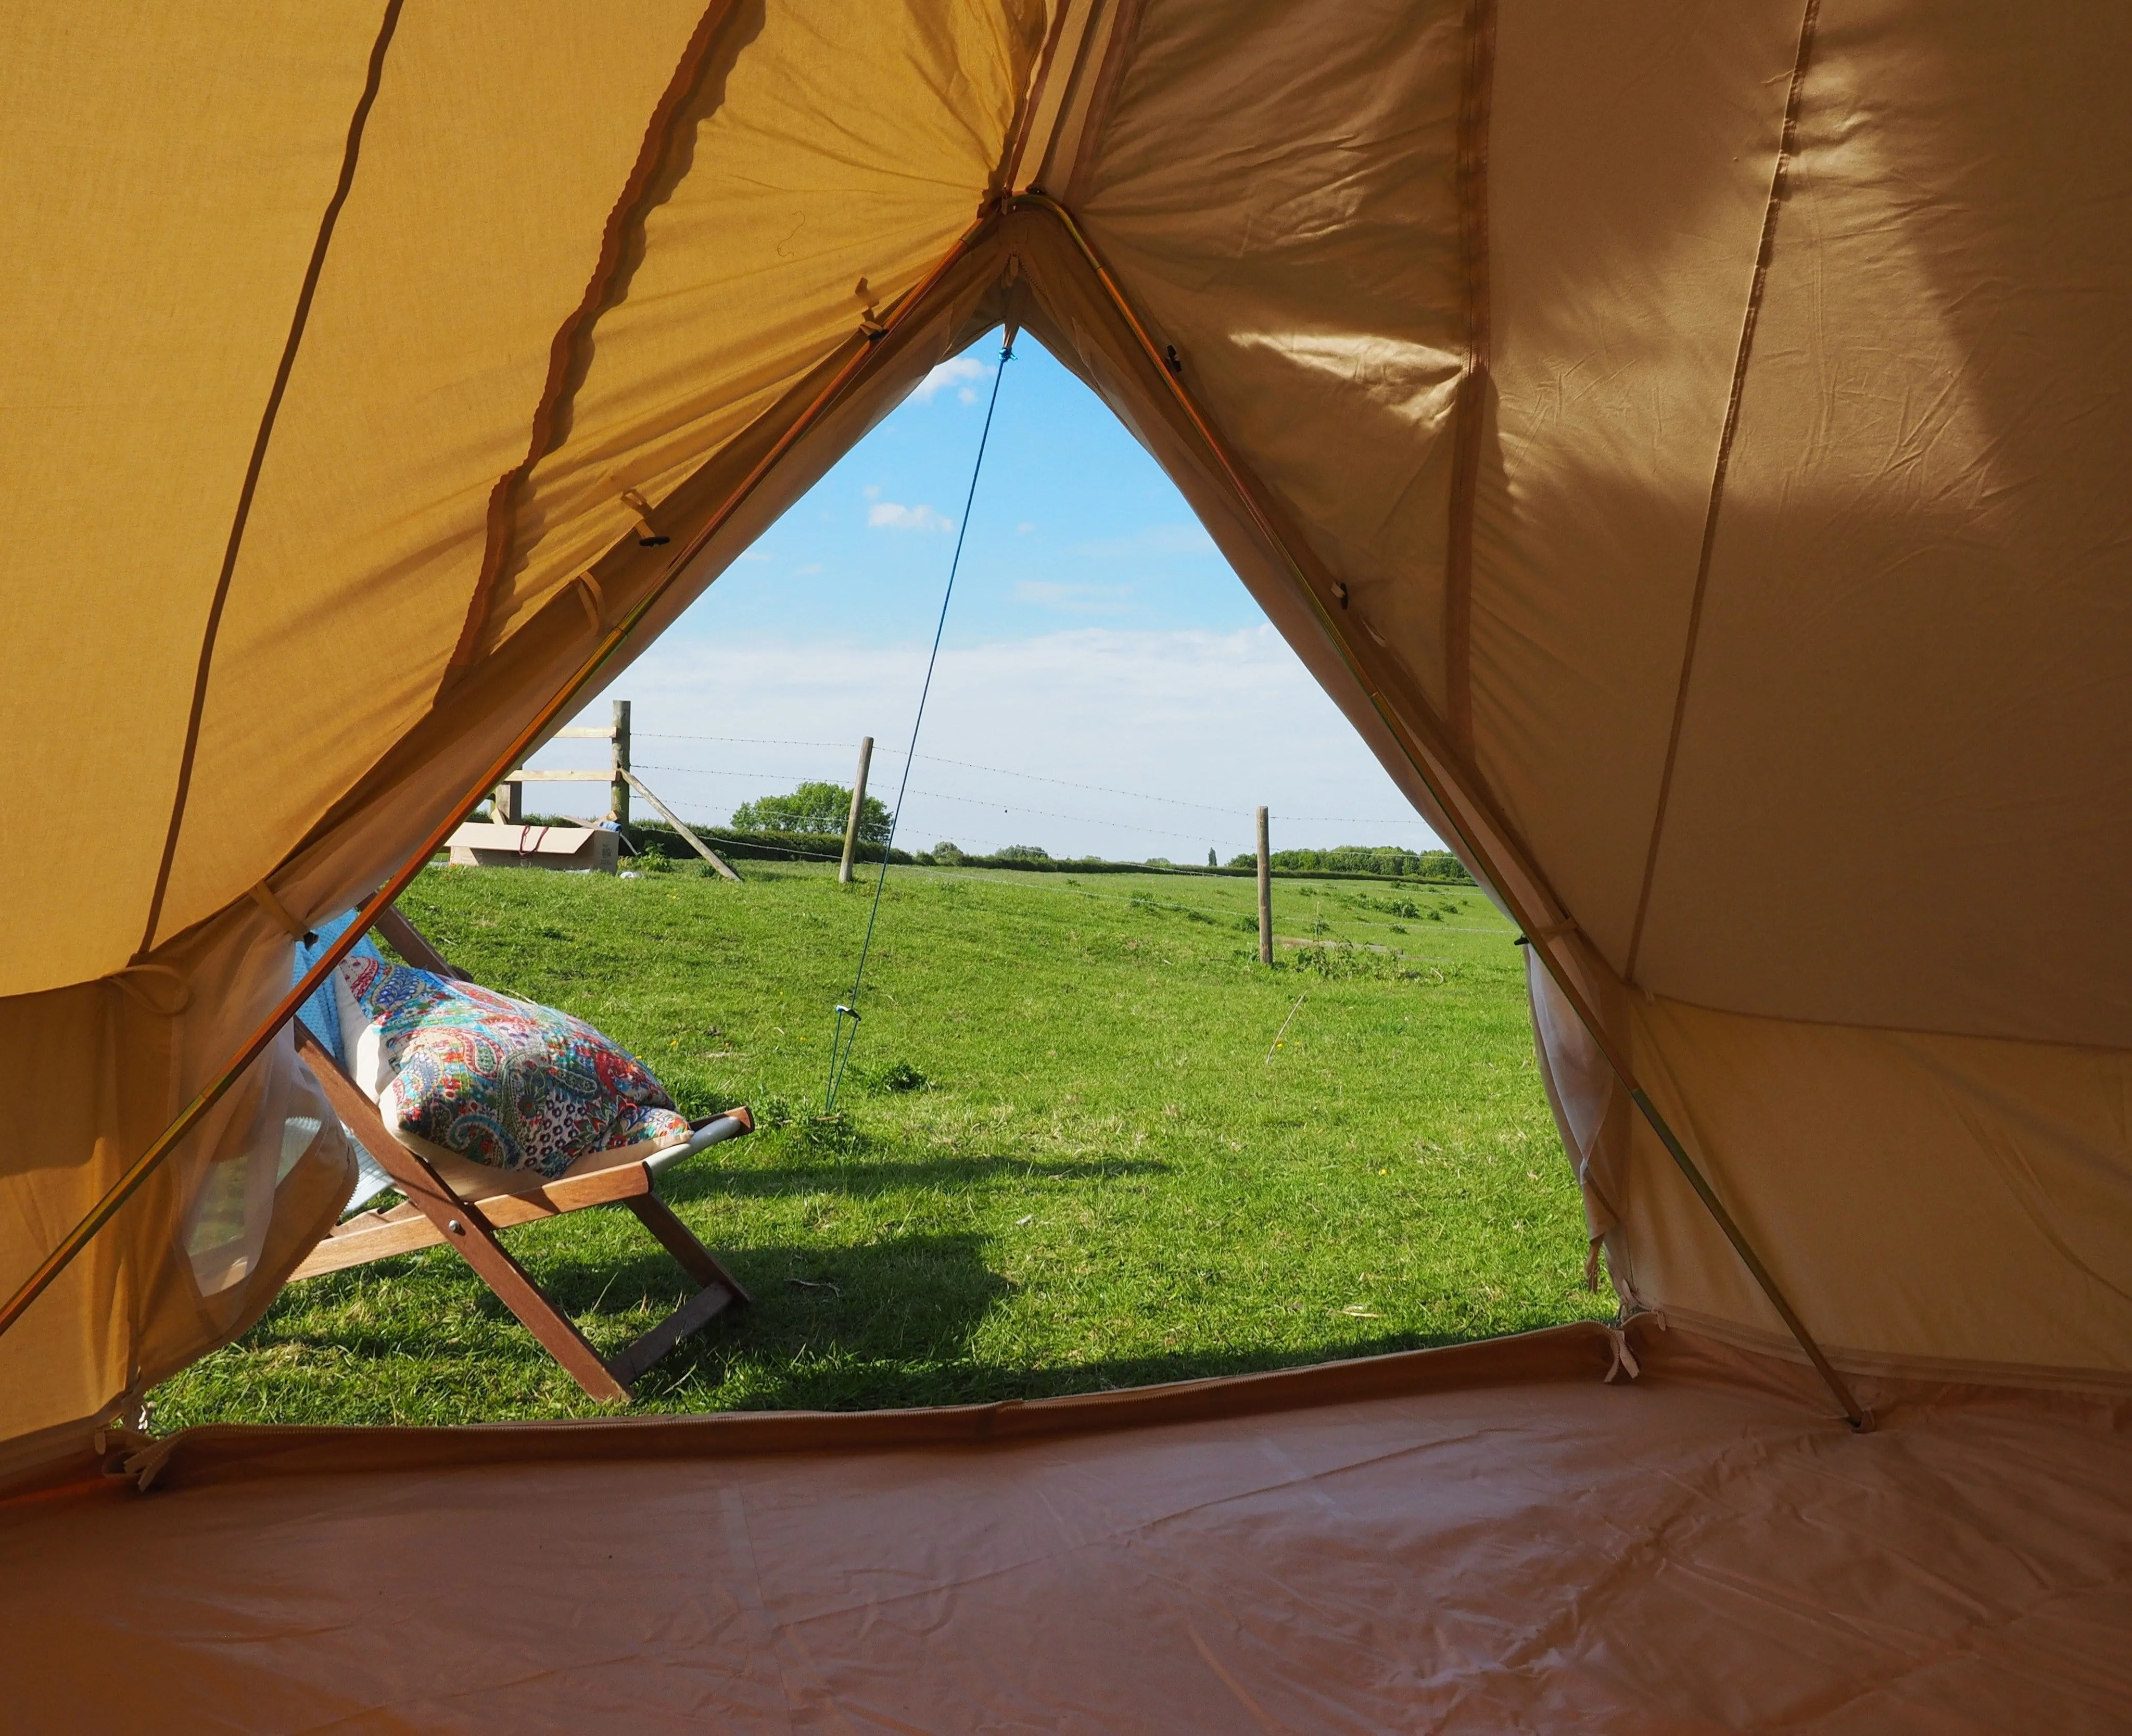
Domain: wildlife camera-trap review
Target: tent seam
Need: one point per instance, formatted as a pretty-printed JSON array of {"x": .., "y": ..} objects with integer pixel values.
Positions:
[
  {"x": 1476, "y": 105},
  {"x": 299, "y": 321},
  {"x": 628, "y": 212},
  {"x": 1879, "y": 1028},
  {"x": 1110, "y": 77},
  {"x": 1032, "y": 100},
  {"x": 1779, "y": 176}
]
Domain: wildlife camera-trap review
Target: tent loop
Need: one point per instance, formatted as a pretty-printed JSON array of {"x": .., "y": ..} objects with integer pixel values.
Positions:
[
  {"x": 593, "y": 600},
  {"x": 841, "y": 1044},
  {"x": 653, "y": 536},
  {"x": 1624, "y": 1358},
  {"x": 129, "y": 980},
  {"x": 871, "y": 326},
  {"x": 262, "y": 894},
  {"x": 145, "y": 1463}
]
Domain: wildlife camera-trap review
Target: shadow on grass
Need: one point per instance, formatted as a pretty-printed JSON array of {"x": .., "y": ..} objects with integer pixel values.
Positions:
[
  {"x": 888, "y": 1325},
  {"x": 909, "y": 1299},
  {"x": 879, "y": 1325},
  {"x": 904, "y": 1271}
]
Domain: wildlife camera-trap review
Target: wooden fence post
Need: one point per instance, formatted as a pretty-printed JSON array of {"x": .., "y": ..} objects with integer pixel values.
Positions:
[
  {"x": 858, "y": 812},
  {"x": 1265, "y": 895},
  {"x": 618, "y": 804},
  {"x": 674, "y": 820}
]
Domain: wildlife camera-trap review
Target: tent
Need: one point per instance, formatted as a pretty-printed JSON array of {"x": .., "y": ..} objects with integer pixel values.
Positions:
[{"x": 1687, "y": 440}]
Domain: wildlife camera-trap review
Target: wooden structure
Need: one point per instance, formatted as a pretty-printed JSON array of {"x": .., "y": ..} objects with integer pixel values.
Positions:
[
  {"x": 857, "y": 814},
  {"x": 1265, "y": 893},
  {"x": 464, "y": 1205},
  {"x": 507, "y": 804}
]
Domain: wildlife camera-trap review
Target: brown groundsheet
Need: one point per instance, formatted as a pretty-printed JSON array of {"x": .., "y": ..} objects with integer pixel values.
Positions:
[{"x": 1483, "y": 1539}]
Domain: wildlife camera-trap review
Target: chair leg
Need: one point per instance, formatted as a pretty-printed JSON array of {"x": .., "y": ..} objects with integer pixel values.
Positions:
[
  {"x": 465, "y": 1230},
  {"x": 691, "y": 1316},
  {"x": 474, "y": 1240},
  {"x": 678, "y": 1240},
  {"x": 721, "y": 1289}
]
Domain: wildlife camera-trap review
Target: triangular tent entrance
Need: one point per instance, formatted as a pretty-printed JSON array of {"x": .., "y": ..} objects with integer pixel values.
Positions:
[{"x": 1688, "y": 444}]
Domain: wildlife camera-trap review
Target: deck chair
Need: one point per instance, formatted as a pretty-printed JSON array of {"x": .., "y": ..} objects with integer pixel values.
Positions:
[{"x": 464, "y": 1205}]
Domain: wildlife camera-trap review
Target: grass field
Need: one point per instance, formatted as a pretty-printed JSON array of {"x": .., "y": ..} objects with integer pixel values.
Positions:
[{"x": 1071, "y": 1154}]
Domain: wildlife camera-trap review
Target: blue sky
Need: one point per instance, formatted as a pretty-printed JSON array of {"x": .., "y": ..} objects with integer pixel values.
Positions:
[
  {"x": 1074, "y": 525},
  {"x": 1107, "y": 685}
]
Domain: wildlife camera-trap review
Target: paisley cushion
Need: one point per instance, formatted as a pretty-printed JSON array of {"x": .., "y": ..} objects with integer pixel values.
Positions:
[{"x": 499, "y": 1081}]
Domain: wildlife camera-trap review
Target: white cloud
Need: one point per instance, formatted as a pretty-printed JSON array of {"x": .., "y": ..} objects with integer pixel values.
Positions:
[
  {"x": 1224, "y": 719},
  {"x": 950, "y": 374},
  {"x": 812, "y": 566},
  {"x": 888, "y": 515},
  {"x": 872, "y": 490},
  {"x": 1155, "y": 539},
  {"x": 1077, "y": 599},
  {"x": 1024, "y": 527},
  {"x": 967, "y": 395}
]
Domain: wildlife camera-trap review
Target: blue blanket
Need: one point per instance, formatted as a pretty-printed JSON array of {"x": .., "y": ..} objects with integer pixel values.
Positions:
[
  {"x": 322, "y": 1012},
  {"x": 321, "y": 1015}
]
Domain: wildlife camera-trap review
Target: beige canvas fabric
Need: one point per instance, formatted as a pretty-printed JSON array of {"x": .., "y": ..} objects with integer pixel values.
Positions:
[
  {"x": 1686, "y": 442},
  {"x": 1477, "y": 1538}
]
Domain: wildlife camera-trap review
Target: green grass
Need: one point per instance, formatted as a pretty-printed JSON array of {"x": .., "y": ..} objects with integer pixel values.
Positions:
[{"x": 1102, "y": 1181}]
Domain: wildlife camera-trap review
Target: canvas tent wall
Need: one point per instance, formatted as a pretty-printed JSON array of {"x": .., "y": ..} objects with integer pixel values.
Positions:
[{"x": 1685, "y": 440}]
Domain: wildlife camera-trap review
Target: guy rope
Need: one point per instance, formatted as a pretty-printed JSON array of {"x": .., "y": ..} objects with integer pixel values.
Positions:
[{"x": 846, "y": 1031}]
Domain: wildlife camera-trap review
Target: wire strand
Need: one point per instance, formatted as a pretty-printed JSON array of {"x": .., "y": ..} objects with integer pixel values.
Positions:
[
  {"x": 935, "y": 759},
  {"x": 840, "y": 1044}
]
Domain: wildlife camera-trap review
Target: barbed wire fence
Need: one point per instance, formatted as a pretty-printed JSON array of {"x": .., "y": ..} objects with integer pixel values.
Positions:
[{"x": 696, "y": 804}]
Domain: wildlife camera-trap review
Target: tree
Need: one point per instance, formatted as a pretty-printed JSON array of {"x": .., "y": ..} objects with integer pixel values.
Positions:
[
  {"x": 814, "y": 810},
  {"x": 1023, "y": 852},
  {"x": 1389, "y": 860}
]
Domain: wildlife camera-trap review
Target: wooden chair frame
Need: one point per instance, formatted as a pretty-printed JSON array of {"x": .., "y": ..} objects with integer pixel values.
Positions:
[{"x": 433, "y": 1212}]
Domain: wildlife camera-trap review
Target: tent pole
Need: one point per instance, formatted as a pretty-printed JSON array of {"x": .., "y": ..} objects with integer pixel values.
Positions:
[
  {"x": 1544, "y": 937},
  {"x": 188, "y": 1117}
]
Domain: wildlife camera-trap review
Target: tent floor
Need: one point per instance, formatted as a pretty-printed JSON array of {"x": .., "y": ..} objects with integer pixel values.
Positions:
[{"x": 1484, "y": 1538}]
